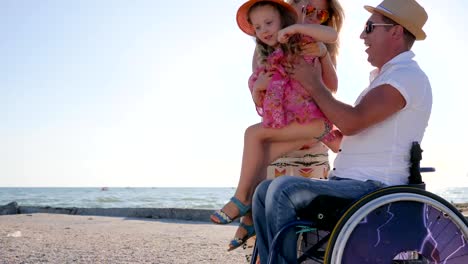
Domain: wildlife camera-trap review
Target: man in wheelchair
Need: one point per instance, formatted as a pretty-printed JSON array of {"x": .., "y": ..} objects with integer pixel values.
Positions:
[{"x": 388, "y": 116}]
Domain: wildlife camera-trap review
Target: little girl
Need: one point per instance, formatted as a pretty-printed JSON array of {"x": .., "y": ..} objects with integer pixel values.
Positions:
[{"x": 290, "y": 118}]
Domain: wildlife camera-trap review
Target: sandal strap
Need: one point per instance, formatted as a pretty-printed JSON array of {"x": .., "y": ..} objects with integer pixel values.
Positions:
[
  {"x": 243, "y": 209},
  {"x": 223, "y": 217},
  {"x": 250, "y": 229},
  {"x": 239, "y": 241}
]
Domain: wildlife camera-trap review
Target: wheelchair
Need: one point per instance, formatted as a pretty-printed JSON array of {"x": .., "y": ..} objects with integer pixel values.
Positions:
[{"x": 399, "y": 224}]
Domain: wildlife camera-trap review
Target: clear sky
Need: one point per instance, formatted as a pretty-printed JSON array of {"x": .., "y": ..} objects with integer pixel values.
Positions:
[{"x": 154, "y": 93}]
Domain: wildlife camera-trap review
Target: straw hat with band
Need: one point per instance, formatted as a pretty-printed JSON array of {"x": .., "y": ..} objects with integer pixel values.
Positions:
[
  {"x": 408, "y": 13},
  {"x": 243, "y": 14}
]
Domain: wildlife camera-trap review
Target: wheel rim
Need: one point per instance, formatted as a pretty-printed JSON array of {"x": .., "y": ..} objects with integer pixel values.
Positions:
[{"x": 438, "y": 229}]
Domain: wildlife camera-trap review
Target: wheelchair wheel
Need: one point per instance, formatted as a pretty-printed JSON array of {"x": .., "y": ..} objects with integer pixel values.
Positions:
[{"x": 399, "y": 225}]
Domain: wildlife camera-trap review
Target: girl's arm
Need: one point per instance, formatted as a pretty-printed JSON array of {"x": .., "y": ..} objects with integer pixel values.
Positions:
[
  {"x": 254, "y": 60},
  {"x": 258, "y": 82},
  {"x": 317, "y": 32}
]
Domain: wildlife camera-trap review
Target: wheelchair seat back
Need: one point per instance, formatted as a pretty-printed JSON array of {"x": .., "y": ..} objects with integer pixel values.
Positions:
[{"x": 325, "y": 211}]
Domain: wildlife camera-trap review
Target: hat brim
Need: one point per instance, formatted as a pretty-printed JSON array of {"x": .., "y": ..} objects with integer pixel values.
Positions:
[
  {"x": 242, "y": 16},
  {"x": 417, "y": 32}
]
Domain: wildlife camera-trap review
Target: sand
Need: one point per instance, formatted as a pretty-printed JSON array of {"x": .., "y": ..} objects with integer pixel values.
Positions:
[
  {"x": 61, "y": 238},
  {"x": 58, "y": 238}
]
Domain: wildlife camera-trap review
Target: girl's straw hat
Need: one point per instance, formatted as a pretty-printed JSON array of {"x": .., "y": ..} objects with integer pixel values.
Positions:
[
  {"x": 243, "y": 14},
  {"x": 408, "y": 13}
]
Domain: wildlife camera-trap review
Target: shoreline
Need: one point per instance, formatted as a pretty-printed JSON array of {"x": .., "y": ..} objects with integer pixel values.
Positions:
[{"x": 202, "y": 215}]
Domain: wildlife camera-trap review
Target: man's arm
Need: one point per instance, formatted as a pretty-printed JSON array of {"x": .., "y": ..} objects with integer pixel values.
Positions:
[{"x": 377, "y": 105}]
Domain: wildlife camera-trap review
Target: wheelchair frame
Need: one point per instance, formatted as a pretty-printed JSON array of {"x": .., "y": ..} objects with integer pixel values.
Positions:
[{"x": 373, "y": 228}]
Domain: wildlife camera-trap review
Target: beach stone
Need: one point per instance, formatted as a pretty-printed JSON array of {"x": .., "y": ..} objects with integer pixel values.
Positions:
[{"x": 9, "y": 209}]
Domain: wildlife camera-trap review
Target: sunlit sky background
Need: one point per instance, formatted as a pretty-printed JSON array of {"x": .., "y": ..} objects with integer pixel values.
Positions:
[{"x": 154, "y": 93}]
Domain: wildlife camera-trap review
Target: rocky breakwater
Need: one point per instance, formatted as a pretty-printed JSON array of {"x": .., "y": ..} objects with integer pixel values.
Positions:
[{"x": 154, "y": 213}]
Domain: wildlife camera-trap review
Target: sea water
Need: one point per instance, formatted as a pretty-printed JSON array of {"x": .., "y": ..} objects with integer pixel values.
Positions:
[{"x": 193, "y": 198}]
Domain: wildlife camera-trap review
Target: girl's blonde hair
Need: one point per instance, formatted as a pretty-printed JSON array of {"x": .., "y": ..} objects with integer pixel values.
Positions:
[{"x": 335, "y": 21}]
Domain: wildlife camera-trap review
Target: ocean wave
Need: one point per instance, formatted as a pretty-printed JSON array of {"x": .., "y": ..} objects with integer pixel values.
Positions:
[{"x": 108, "y": 200}]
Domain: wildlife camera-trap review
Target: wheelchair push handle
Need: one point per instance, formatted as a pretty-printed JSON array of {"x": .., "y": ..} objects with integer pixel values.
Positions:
[
  {"x": 415, "y": 160},
  {"x": 427, "y": 169}
]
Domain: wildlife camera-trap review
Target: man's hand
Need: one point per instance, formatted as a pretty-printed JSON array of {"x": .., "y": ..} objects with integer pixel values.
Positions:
[
  {"x": 318, "y": 49},
  {"x": 309, "y": 75}
]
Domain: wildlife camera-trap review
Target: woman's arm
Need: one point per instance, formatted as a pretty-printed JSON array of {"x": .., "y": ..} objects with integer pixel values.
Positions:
[
  {"x": 329, "y": 76},
  {"x": 317, "y": 32}
]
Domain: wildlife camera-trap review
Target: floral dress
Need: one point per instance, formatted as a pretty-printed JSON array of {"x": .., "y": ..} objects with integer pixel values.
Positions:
[{"x": 285, "y": 99}]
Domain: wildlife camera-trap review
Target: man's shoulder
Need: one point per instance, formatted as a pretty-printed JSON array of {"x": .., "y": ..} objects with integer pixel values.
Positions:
[{"x": 408, "y": 70}]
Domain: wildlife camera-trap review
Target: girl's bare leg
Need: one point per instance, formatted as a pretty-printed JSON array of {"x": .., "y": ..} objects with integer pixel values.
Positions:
[{"x": 261, "y": 147}]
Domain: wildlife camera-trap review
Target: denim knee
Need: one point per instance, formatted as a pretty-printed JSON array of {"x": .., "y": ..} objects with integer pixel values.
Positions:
[
  {"x": 279, "y": 183},
  {"x": 261, "y": 191}
]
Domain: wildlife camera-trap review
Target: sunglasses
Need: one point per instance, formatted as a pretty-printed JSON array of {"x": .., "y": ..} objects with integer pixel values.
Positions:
[
  {"x": 322, "y": 15},
  {"x": 370, "y": 26}
]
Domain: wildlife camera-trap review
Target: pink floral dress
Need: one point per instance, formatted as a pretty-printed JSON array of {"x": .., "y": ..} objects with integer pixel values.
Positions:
[{"x": 285, "y": 99}]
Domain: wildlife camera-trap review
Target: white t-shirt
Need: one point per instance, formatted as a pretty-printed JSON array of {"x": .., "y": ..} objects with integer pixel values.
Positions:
[{"x": 381, "y": 152}]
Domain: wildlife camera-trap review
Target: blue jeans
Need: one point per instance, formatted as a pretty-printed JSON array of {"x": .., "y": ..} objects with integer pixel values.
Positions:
[{"x": 276, "y": 202}]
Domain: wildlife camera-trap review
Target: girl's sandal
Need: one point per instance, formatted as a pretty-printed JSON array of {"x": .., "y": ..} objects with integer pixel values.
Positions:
[
  {"x": 220, "y": 217},
  {"x": 239, "y": 241}
]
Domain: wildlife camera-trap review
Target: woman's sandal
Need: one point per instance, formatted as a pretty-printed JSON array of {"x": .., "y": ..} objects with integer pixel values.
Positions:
[
  {"x": 220, "y": 217},
  {"x": 237, "y": 241}
]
